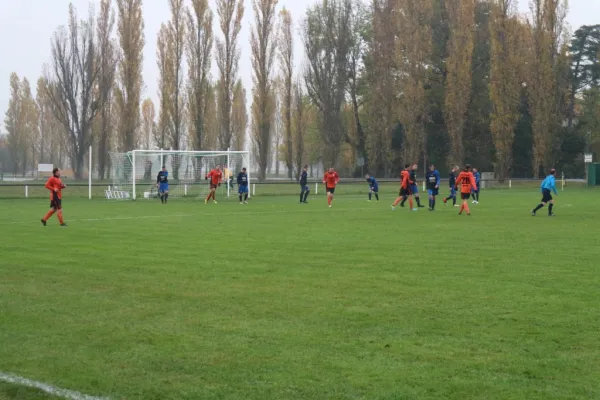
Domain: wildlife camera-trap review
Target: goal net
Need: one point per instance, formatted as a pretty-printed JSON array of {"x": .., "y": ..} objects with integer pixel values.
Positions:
[{"x": 134, "y": 173}]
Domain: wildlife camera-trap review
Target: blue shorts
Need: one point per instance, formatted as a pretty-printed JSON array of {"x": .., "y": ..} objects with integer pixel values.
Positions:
[
  {"x": 433, "y": 192},
  {"x": 414, "y": 189},
  {"x": 163, "y": 188},
  {"x": 304, "y": 188},
  {"x": 476, "y": 190},
  {"x": 375, "y": 189},
  {"x": 242, "y": 189},
  {"x": 453, "y": 191}
]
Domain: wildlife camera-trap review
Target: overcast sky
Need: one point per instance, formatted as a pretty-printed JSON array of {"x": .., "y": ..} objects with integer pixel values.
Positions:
[{"x": 27, "y": 25}]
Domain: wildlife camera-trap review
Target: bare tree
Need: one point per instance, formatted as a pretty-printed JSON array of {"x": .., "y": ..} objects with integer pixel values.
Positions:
[
  {"x": 543, "y": 82},
  {"x": 286, "y": 61},
  {"x": 30, "y": 126},
  {"x": 199, "y": 45},
  {"x": 505, "y": 80},
  {"x": 461, "y": 16},
  {"x": 13, "y": 123},
  {"x": 299, "y": 117},
  {"x": 165, "y": 88},
  {"x": 327, "y": 41},
  {"x": 129, "y": 86},
  {"x": 148, "y": 123},
  {"x": 52, "y": 135},
  {"x": 239, "y": 116},
  {"x": 74, "y": 73},
  {"x": 212, "y": 122},
  {"x": 360, "y": 26},
  {"x": 107, "y": 60},
  {"x": 44, "y": 119},
  {"x": 230, "y": 14},
  {"x": 413, "y": 54},
  {"x": 277, "y": 126},
  {"x": 176, "y": 45},
  {"x": 21, "y": 124},
  {"x": 382, "y": 105},
  {"x": 263, "y": 46}
]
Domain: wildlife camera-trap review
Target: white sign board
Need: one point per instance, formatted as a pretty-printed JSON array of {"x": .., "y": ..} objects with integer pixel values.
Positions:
[
  {"x": 587, "y": 158},
  {"x": 45, "y": 167}
]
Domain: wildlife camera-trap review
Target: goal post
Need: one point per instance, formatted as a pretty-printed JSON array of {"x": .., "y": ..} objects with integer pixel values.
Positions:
[{"x": 135, "y": 172}]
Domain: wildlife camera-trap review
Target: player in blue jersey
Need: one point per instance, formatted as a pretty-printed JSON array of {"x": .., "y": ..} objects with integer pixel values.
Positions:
[
  {"x": 548, "y": 186},
  {"x": 373, "y": 187},
  {"x": 304, "y": 190},
  {"x": 414, "y": 187},
  {"x": 475, "y": 192},
  {"x": 452, "y": 184},
  {"x": 162, "y": 184},
  {"x": 433, "y": 185},
  {"x": 242, "y": 181}
]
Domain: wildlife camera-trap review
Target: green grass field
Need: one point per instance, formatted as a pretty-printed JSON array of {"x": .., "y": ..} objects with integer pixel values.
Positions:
[{"x": 276, "y": 300}]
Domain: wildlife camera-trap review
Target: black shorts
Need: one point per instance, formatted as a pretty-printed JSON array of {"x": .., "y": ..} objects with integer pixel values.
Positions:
[
  {"x": 465, "y": 196},
  {"x": 56, "y": 203},
  {"x": 546, "y": 196},
  {"x": 213, "y": 186},
  {"x": 405, "y": 192},
  {"x": 331, "y": 190}
]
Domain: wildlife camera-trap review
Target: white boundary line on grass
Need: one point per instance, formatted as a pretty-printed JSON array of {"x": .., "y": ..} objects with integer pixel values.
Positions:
[{"x": 64, "y": 393}]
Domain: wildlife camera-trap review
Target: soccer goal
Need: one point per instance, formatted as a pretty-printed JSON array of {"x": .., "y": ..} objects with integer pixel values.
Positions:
[{"x": 135, "y": 172}]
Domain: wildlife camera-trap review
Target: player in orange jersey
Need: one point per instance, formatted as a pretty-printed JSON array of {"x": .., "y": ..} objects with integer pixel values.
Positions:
[
  {"x": 215, "y": 176},
  {"x": 330, "y": 179},
  {"x": 466, "y": 181},
  {"x": 55, "y": 186},
  {"x": 405, "y": 192}
]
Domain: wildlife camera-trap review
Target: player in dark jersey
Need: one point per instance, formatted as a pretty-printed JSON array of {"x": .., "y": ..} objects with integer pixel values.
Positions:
[
  {"x": 373, "y": 187},
  {"x": 162, "y": 184},
  {"x": 304, "y": 189},
  {"x": 414, "y": 187},
  {"x": 475, "y": 192},
  {"x": 242, "y": 181},
  {"x": 433, "y": 185},
  {"x": 452, "y": 184}
]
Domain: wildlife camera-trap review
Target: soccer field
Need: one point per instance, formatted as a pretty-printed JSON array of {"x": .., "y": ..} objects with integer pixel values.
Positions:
[{"x": 277, "y": 300}]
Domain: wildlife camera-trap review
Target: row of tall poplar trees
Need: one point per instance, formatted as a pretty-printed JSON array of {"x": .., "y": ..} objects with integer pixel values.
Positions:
[{"x": 383, "y": 83}]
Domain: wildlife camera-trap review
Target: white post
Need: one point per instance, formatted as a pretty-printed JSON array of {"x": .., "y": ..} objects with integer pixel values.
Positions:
[
  {"x": 316, "y": 188},
  {"x": 510, "y": 184},
  {"x": 90, "y": 176},
  {"x": 423, "y": 185},
  {"x": 228, "y": 172},
  {"x": 133, "y": 175},
  {"x": 26, "y": 191},
  {"x": 162, "y": 161},
  {"x": 253, "y": 188},
  {"x": 248, "y": 168},
  {"x": 185, "y": 190},
  {"x": 562, "y": 188}
]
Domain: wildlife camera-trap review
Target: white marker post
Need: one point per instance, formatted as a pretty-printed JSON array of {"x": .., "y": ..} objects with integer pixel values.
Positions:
[{"x": 90, "y": 176}]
